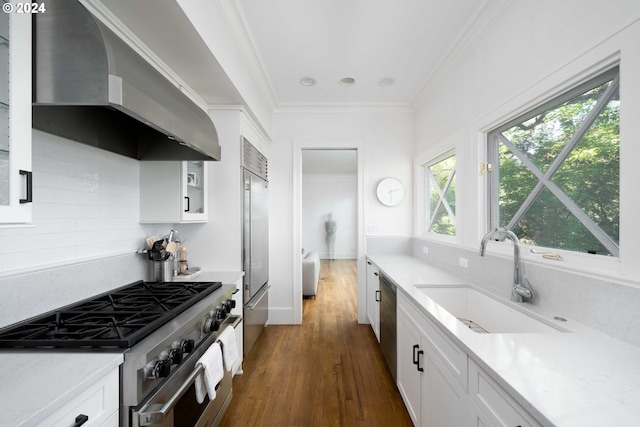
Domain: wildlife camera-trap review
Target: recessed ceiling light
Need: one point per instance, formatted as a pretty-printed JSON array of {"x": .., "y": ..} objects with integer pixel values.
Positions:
[
  {"x": 307, "y": 81},
  {"x": 347, "y": 81},
  {"x": 386, "y": 81}
]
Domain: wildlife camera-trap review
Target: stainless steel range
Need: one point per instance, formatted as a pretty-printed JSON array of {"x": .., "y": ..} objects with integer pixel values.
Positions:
[{"x": 162, "y": 330}]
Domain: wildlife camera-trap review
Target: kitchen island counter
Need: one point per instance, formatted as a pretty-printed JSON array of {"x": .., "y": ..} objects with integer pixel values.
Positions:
[
  {"x": 576, "y": 378},
  {"x": 37, "y": 384}
]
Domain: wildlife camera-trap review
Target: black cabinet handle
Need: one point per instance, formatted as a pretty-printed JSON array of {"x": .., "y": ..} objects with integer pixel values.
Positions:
[
  {"x": 369, "y": 262},
  {"x": 378, "y": 294},
  {"x": 81, "y": 419},
  {"x": 421, "y": 369},
  {"x": 188, "y": 203},
  {"x": 376, "y": 274},
  {"x": 29, "y": 197},
  {"x": 415, "y": 357}
]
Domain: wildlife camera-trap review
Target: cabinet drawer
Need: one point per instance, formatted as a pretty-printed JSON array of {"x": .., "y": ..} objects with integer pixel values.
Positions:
[
  {"x": 496, "y": 405},
  {"x": 452, "y": 356},
  {"x": 99, "y": 402}
]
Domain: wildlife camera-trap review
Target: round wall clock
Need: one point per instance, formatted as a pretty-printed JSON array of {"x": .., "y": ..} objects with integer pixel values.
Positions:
[{"x": 390, "y": 191}]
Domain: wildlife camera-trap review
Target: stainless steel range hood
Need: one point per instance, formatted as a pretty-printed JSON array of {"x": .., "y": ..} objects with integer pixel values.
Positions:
[{"x": 91, "y": 87}]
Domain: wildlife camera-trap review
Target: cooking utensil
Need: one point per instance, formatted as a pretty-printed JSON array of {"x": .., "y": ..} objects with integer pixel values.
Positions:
[
  {"x": 171, "y": 247},
  {"x": 149, "y": 240}
]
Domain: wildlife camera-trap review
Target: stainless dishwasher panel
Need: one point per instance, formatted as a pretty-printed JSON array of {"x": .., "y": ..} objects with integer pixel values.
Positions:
[{"x": 388, "y": 332}]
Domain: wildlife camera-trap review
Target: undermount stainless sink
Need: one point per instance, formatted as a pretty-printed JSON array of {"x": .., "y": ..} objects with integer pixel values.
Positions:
[{"x": 485, "y": 314}]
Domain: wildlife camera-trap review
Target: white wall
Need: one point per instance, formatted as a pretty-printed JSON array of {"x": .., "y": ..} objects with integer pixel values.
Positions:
[
  {"x": 324, "y": 194},
  {"x": 86, "y": 205},
  {"x": 387, "y": 149},
  {"x": 526, "y": 55}
]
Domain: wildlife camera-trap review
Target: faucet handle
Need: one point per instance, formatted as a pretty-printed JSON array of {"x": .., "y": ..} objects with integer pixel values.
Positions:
[{"x": 525, "y": 290}]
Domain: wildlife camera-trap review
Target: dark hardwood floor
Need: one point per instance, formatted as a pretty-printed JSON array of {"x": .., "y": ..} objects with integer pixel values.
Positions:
[{"x": 329, "y": 371}]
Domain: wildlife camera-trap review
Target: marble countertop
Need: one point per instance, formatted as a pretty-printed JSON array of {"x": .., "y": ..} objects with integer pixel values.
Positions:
[
  {"x": 36, "y": 384},
  {"x": 576, "y": 378}
]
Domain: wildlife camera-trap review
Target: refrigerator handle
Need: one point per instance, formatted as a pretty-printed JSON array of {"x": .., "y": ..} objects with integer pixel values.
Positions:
[{"x": 259, "y": 297}]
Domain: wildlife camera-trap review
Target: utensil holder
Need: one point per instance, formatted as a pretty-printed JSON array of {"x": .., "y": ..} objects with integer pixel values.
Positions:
[{"x": 162, "y": 271}]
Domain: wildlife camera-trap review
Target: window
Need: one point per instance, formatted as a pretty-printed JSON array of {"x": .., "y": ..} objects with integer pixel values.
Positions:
[
  {"x": 441, "y": 195},
  {"x": 555, "y": 178}
]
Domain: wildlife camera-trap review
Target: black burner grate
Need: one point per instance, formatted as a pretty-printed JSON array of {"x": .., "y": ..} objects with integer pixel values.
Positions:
[{"x": 119, "y": 318}]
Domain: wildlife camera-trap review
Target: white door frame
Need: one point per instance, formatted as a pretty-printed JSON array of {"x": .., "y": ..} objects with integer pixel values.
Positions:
[{"x": 298, "y": 146}]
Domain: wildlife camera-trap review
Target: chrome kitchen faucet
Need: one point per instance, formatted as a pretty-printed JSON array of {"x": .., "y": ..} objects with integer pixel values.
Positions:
[{"x": 520, "y": 292}]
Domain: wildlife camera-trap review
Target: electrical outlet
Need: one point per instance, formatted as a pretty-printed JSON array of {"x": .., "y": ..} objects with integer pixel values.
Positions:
[
  {"x": 425, "y": 250},
  {"x": 464, "y": 263}
]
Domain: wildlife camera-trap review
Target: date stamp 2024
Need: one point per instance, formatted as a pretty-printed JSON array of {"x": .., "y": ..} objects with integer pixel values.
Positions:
[{"x": 30, "y": 8}]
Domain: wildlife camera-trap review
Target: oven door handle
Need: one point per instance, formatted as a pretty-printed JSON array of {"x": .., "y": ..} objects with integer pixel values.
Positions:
[{"x": 156, "y": 416}]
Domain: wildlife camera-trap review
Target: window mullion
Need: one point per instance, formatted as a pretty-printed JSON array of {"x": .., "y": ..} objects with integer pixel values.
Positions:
[
  {"x": 593, "y": 228},
  {"x": 432, "y": 212},
  {"x": 531, "y": 167},
  {"x": 452, "y": 216},
  {"x": 584, "y": 126}
]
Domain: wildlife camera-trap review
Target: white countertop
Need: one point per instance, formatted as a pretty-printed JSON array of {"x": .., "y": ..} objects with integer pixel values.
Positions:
[
  {"x": 578, "y": 378},
  {"x": 36, "y": 384},
  {"x": 226, "y": 277}
]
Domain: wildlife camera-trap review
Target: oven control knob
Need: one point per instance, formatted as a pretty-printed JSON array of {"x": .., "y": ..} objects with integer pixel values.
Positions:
[
  {"x": 174, "y": 356},
  {"x": 160, "y": 369},
  {"x": 228, "y": 305},
  {"x": 220, "y": 313},
  {"x": 186, "y": 346},
  {"x": 210, "y": 325}
]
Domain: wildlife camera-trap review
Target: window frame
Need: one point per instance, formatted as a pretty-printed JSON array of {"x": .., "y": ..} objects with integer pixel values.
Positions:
[{"x": 612, "y": 73}]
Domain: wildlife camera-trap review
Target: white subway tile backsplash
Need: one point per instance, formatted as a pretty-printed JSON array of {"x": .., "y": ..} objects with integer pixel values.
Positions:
[{"x": 86, "y": 205}]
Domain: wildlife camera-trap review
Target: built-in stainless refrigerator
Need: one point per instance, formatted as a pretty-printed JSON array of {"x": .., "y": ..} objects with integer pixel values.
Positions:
[{"x": 255, "y": 247}]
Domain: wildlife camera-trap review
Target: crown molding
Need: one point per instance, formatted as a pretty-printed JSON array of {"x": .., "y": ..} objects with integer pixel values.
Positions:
[
  {"x": 476, "y": 30},
  {"x": 232, "y": 14}
]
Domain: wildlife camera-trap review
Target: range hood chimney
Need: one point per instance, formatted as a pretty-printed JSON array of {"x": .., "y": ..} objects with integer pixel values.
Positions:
[{"x": 91, "y": 87}]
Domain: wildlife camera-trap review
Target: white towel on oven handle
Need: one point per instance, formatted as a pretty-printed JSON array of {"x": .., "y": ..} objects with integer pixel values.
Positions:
[
  {"x": 229, "y": 347},
  {"x": 211, "y": 374}
]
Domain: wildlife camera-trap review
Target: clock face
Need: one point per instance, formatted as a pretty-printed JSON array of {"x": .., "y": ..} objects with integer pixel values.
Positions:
[{"x": 390, "y": 191}]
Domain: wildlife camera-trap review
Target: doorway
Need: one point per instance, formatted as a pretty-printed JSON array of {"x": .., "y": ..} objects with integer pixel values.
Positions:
[
  {"x": 315, "y": 157},
  {"x": 330, "y": 203}
]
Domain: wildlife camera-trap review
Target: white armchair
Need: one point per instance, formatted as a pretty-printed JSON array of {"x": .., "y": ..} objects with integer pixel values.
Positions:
[{"x": 310, "y": 274}]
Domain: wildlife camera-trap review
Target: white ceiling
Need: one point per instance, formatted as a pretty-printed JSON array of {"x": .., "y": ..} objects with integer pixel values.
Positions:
[
  {"x": 365, "y": 39},
  {"x": 327, "y": 40}
]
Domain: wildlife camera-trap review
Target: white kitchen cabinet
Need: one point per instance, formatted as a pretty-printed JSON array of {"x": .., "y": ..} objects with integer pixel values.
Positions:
[
  {"x": 433, "y": 391},
  {"x": 409, "y": 377},
  {"x": 15, "y": 118},
  {"x": 490, "y": 405},
  {"x": 373, "y": 298},
  {"x": 99, "y": 403},
  {"x": 174, "y": 192}
]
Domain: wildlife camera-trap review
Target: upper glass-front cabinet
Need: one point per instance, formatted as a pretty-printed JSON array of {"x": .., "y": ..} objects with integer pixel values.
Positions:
[
  {"x": 194, "y": 195},
  {"x": 15, "y": 117},
  {"x": 173, "y": 192}
]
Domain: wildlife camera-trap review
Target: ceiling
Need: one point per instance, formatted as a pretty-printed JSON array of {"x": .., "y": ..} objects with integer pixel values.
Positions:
[
  {"x": 367, "y": 40},
  {"x": 327, "y": 40}
]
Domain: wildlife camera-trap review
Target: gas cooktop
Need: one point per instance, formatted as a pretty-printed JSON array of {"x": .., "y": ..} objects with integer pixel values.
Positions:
[{"x": 118, "y": 318}]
